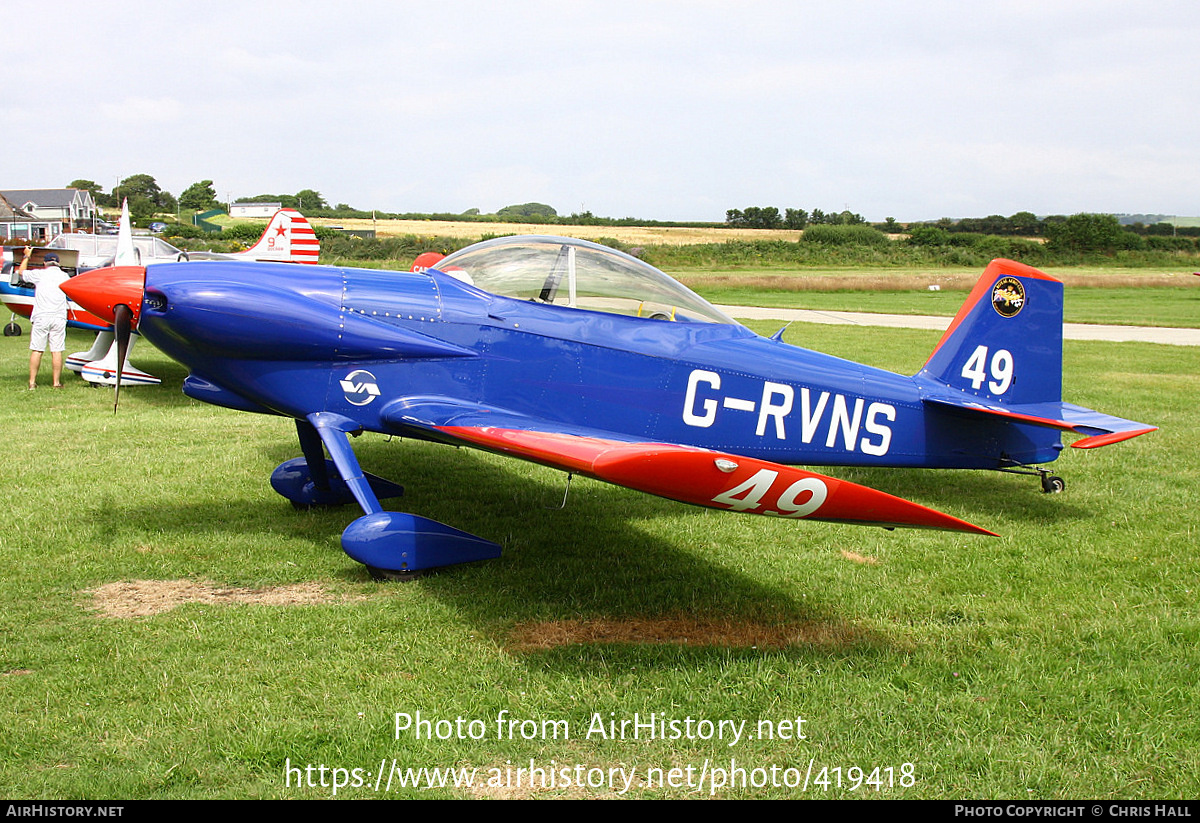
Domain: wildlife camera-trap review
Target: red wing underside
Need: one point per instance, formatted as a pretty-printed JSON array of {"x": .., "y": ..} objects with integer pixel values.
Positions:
[{"x": 712, "y": 479}]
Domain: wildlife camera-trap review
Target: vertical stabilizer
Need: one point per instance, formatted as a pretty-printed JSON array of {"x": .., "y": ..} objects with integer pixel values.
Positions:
[
  {"x": 288, "y": 239},
  {"x": 127, "y": 253},
  {"x": 1002, "y": 358},
  {"x": 1005, "y": 343}
]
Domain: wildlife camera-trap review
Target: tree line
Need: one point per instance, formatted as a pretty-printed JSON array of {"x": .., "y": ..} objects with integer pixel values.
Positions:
[
  {"x": 768, "y": 217},
  {"x": 1093, "y": 231},
  {"x": 146, "y": 198},
  {"x": 1021, "y": 224},
  {"x": 1027, "y": 224},
  {"x": 1087, "y": 233}
]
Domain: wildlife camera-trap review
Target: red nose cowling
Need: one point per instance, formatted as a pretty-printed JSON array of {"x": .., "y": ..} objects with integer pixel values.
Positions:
[{"x": 100, "y": 291}]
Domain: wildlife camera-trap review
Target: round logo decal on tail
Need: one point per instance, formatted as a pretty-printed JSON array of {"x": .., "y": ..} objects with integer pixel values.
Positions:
[
  {"x": 1008, "y": 297},
  {"x": 359, "y": 387}
]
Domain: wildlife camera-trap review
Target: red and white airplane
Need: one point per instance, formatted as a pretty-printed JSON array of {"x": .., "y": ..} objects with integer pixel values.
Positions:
[{"x": 288, "y": 238}]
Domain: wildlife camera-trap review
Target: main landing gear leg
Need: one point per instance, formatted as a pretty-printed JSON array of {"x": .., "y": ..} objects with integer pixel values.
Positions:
[
  {"x": 312, "y": 480},
  {"x": 389, "y": 544}
]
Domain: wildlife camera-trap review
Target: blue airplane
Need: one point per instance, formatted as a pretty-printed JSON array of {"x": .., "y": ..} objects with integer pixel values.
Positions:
[{"x": 580, "y": 357}]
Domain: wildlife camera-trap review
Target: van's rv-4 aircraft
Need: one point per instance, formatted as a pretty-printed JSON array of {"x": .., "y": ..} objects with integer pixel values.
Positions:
[
  {"x": 580, "y": 357},
  {"x": 288, "y": 238}
]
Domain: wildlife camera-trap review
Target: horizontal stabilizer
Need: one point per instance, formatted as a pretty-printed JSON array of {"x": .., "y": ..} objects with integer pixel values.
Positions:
[{"x": 1100, "y": 429}]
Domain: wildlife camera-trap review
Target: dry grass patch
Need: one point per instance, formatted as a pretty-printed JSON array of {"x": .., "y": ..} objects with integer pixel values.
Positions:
[
  {"x": 682, "y": 631},
  {"x": 917, "y": 281},
  {"x": 142, "y": 598},
  {"x": 884, "y": 281},
  {"x": 485, "y": 791}
]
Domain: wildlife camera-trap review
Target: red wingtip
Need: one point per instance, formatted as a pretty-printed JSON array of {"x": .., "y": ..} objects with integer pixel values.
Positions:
[
  {"x": 100, "y": 291},
  {"x": 1098, "y": 440}
]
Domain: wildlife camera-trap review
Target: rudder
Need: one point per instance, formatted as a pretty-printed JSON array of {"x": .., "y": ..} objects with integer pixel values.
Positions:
[
  {"x": 288, "y": 239},
  {"x": 1005, "y": 343},
  {"x": 1001, "y": 359}
]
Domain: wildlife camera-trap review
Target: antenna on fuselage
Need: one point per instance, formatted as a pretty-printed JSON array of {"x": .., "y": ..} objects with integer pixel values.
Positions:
[{"x": 571, "y": 276}]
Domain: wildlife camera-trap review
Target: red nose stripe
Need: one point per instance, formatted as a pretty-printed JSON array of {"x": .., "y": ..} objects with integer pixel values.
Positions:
[{"x": 101, "y": 290}]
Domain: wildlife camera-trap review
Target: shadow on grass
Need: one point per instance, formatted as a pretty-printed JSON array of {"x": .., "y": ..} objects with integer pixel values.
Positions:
[{"x": 612, "y": 568}]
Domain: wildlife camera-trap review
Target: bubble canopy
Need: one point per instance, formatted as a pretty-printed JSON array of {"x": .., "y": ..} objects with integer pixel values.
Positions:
[{"x": 565, "y": 271}]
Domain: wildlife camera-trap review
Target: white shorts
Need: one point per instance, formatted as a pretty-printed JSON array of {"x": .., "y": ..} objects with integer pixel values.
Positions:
[{"x": 48, "y": 333}]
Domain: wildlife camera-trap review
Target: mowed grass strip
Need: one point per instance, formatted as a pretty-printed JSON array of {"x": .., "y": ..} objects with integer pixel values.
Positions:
[{"x": 1059, "y": 660}]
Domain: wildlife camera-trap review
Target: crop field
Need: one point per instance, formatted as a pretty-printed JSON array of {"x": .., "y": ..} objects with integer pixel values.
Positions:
[
  {"x": 632, "y": 235},
  {"x": 172, "y": 628}
]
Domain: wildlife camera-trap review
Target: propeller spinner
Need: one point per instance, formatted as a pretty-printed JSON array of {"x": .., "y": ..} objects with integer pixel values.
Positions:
[{"x": 113, "y": 294}]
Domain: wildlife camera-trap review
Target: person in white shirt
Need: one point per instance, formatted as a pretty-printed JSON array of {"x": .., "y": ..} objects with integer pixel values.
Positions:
[{"x": 49, "y": 317}]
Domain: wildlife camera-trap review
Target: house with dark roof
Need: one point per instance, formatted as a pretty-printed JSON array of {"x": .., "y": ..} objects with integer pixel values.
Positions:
[
  {"x": 17, "y": 224},
  {"x": 70, "y": 208}
]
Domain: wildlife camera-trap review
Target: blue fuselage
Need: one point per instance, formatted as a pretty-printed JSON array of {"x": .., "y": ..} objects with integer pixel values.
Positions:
[{"x": 363, "y": 344}]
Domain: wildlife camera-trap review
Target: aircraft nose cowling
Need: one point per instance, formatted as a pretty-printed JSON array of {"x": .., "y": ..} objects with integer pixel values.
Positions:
[{"x": 100, "y": 291}]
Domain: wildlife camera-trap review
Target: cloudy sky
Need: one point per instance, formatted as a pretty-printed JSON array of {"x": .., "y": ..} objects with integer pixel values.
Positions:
[{"x": 667, "y": 110}]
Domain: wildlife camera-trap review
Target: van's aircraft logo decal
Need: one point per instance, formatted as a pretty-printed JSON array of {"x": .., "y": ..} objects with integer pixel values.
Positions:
[
  {"x": 1008, "y": 297},
  {"x": 360, "y": 387}
]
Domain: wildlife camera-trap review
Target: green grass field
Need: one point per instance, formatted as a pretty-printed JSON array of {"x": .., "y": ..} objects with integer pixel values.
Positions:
[{"x": 1059, "y": 660}]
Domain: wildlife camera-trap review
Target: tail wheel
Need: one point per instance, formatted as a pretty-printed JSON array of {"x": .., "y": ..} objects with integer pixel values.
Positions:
[{"x": 1053, "y": 484}]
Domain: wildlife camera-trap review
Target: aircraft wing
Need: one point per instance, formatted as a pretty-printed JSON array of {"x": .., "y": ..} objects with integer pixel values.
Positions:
[
  {"x": 1100, "y": 429},
  {"x": 690, "y": 475}
]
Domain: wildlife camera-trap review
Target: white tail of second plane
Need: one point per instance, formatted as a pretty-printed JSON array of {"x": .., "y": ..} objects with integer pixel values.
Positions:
[{"x": 288, "y": 239}]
